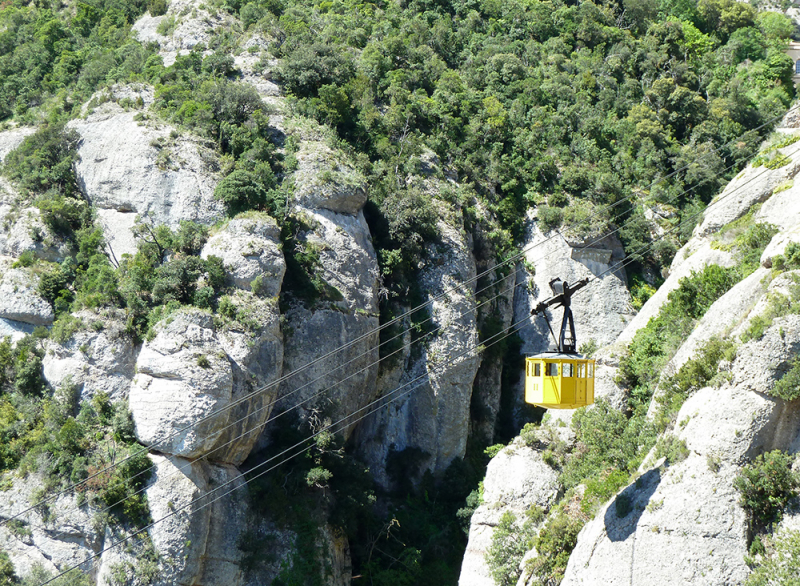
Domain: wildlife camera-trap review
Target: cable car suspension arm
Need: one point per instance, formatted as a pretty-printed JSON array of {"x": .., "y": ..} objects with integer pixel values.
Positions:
[{"x": 563, "y": 292}]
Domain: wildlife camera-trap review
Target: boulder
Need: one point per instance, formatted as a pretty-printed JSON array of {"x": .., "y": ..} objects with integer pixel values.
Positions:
[
  {"x": 19, "y": 298},
  {"x": 192, "y": 369},
  {"x": 99, "y": 358},
  {"x": 250, "y": 247},
  {"x": 325, "y": 179},
  {"x": 182, "y": 376},
  {"x": 344, "y": 381}
]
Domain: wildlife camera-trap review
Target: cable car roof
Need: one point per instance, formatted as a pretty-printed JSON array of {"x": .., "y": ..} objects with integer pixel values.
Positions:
[{"x": 559, "y": 356}]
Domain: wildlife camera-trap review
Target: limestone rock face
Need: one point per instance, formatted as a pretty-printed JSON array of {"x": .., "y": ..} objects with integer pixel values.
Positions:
[
  {"x": 751, "y": 186},
  {"x": 19, "y": 299},
  {"x": 191, "y": 370},
  {"x": 325, "y": 179},
  {"x": 127, "y": 168},
  {"x": 250, "y": 248},
  {"x": 516, "y": 478},
  {"x": 183, "y": 374},
  {"x": 684, "y": 526},
  {"x": 100, "y": 358},
  {"x": 11, "y": 139},
  {"x": 26, "y": 231},
  {"x": 431, "y": 397},
  {"x": 256, "y": 356},
  {"x": 348, "y": 264},
  {"x": 66, "y": 540}
]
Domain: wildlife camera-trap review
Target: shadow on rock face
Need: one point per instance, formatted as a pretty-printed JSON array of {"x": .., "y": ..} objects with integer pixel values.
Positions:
[{"x": 622, "y": 516}]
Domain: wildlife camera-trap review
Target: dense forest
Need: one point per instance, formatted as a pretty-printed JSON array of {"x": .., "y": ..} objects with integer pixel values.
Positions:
[{"x": 588, "y": 113}]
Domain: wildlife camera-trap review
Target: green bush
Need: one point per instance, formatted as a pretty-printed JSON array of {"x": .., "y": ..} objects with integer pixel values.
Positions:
[
  {"x": 766, "y": 486},
  {"x": 241, "y": 191},
  {"x": 788, "y": 387},
  {"x": 7, "y": 575},
  {"x": 692, "y": 376},
  {"x": 554, "y": 544},
  {"x": 44, "y": 161},
  {"x": 510, "y": 542}
]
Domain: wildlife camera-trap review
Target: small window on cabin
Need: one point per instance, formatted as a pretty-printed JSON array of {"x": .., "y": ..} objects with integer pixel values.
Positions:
[
  {"x": 552, "y": 369},
  {"x": 567, "y": 370},
  {"x": 590, "y": 368},
  {"x": 537, "y": 369},
  {"x": 581, "y": 370}
]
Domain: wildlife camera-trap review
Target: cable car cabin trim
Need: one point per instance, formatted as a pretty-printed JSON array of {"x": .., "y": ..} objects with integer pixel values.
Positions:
[{"x": 559, "y": 381}]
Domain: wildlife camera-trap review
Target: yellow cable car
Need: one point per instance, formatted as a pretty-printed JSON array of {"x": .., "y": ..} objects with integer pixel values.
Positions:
[
  {"x": 559, "y": 381},
  {"x": 562, "y": 379}
]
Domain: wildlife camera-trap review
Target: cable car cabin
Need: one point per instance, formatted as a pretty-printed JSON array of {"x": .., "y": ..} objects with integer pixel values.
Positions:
[{"x": 559, "y": 381}]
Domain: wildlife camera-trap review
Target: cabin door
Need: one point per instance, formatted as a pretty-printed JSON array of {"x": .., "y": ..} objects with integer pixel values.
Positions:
[{"x": 580, "y": 384}]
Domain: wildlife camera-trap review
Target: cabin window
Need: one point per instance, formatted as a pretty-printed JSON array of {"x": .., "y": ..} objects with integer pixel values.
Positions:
[
  {"x": 537, "y": 369},
  {"x": 590, "y": 370},
  {"x": 567, "y": 370},
  {"x": 581, "y": 370},
  {"x": 552, "y": 369}
]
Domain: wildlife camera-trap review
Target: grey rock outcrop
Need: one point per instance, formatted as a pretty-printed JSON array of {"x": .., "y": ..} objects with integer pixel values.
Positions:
[
  {"x": 516, "y": 479},
  {"x": 250, "y": 247},
  {"x": 344, "y": 381},
  {"x": 325, "y": 179},
  {"x": 99, "y": 358},
  {"x": 65, "y": 537},
  {"x": 195, "y": 536},
  {"x": 683, "y": 526},
  {"x": 129, "y": 167},
  {"x": 11, "y": 139},
  {"x": 753, "y": 185},
  {"x": 24, "y": 231},
  {"x": 191, "y": 370},
  {"x": 601, "y": 310},
  {"x": 19, "y": 299}
]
